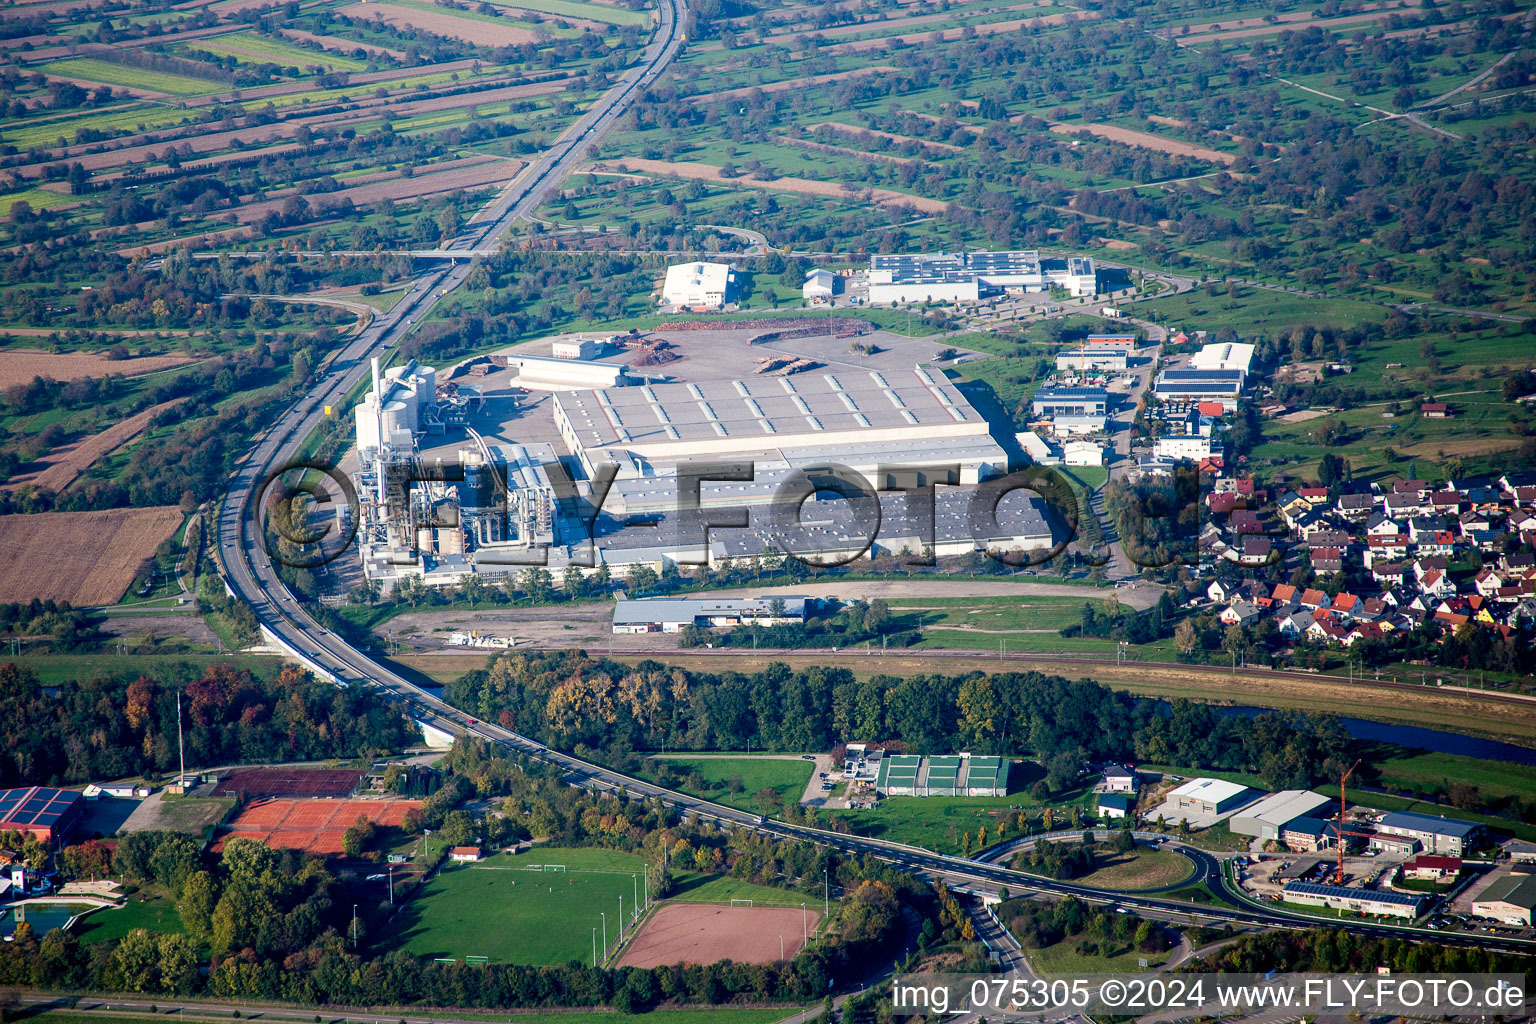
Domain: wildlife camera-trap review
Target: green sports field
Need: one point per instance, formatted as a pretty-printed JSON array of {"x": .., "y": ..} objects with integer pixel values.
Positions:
[{"x": 504, "y": 909}]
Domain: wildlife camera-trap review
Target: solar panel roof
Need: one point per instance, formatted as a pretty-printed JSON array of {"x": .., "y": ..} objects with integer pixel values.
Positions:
[
  {"x": 1341, "y": 892},
  {"x": 36, "y": 806}
]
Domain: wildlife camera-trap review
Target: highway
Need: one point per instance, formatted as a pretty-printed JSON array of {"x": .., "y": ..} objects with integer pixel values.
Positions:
[{"x": 252, "y": 577}]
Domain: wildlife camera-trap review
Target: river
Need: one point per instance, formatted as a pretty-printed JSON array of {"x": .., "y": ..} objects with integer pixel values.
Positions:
[{"x": 1432, "y": 740}]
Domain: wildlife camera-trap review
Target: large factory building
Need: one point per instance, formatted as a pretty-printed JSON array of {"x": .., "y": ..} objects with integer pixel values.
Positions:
[
  {"x": 911, "y": 418},
  {"x": 967, "y": 277}
]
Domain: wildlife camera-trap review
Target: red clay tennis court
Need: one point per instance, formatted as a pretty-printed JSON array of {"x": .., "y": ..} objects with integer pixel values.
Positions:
[
  {"x": 254, "y": 783},
  {"x": 700, "y": 933},
  {"x": 313, "y": 825}
]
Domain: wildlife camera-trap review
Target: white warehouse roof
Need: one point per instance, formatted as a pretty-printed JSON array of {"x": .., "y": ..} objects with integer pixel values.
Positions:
[
  {"x": 697, "y": 283},
  {"x": 1213, "y": 790},
  {"x": 769, "y": 413},
  {"x": 1287, "y": 805},
  {"x": 1222, "y": 356}
]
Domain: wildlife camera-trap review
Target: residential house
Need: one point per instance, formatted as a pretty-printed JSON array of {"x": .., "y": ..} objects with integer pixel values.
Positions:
[
  {"x": 1437, "y": 584},
  {"x": 1432, "y": 867},
  {"x": 1296, "y": 625},
  {"x": 1356, "y": 506},
  {"x": 1257, "y": 551},
  {"x": 1327, "y": 561},
  {"x": 1312, "y": 600},
  {"x": 1239, "y": 613},
  {"x": 1382, "y": 525}
]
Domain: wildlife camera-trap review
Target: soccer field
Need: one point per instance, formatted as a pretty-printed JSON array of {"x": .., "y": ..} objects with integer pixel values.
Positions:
[{"x": 505, "y": 910}]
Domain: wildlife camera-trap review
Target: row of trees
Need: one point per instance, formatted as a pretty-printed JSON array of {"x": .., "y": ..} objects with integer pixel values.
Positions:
[{"x": 605, "y": 709}]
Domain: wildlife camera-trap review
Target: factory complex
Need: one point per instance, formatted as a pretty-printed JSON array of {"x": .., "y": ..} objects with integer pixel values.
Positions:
[
  {"x": 968, "y": 277},
  {"x": 829, "y": 463}
]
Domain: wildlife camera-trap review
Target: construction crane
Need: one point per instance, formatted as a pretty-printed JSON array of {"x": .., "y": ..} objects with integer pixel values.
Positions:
[{"x": 1338, "y": 874}]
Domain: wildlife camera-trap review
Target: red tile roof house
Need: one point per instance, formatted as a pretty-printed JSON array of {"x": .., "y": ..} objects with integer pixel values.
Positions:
[
  {"x": 1436, "y": 411},
  {"x": 1345, "y": 604},
  {"x": 1426, "y": 866}
]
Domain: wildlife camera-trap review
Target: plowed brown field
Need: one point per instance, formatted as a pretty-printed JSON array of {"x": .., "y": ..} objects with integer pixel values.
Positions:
[
  {"x": 85, "y": 558},
  {"x": 20, "y": 365}
]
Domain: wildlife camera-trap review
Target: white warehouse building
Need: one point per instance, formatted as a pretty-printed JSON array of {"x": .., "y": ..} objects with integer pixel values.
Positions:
[
  {"x": 820, "y": 285},
  {"x": 966, "y": 277},
  {"x": 698, "y": 285}
]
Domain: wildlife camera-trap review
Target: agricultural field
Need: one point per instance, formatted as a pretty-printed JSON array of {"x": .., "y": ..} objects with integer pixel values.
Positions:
[
  {"x": 85, "y": 558},
  {"x": 18, "y": 366},
  {"x": 136, "y": 100},
  {"x": 505, "y": 909}
]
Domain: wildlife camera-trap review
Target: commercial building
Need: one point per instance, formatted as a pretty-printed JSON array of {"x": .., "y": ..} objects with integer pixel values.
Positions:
[
  {"x": 967, "y": 277},
  {"x": 1511, "y": 899},
  {"x": 42, "y": 811},
  {"x": 1126, "y": 342},
  {"x": 1223, "y": 356},
  {"x": 540, "y": 373},
  {"x": 1062, "y": 401},
  {"x": 649, "y": 429},
  {"x": 1397, "y": 846},
  {"x": 1116, "y": 805},
  {"x": 670, "y": 615},
  {"x": 1267, "y": 818},
  {"x": 1082, "y": 453},
  {"x": 1360, "y": 901},
  {"x": 1206, "y": 797},
  {"x": 819, "y": 286},
  {"x": 576, "y": 348},
  {"x": 698, "y": 286},
  {"x": 1449, "y": 836},
  {"x": 1194, "y": 386},
  {"x": 950, "y": 775},
  {"x": 1087, "y": 360},
  {"x": 1187, "y": 446},
  {"x": 1309, "y": 834}
]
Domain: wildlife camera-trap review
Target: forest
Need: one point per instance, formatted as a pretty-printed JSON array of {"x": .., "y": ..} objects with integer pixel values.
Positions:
[
  {"x": 113, "y": 725},
  {"x": 607, "y": 710}
]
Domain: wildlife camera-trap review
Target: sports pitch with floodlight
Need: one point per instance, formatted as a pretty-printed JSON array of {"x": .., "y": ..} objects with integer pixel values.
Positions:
[{"x": 536, "y": 908}]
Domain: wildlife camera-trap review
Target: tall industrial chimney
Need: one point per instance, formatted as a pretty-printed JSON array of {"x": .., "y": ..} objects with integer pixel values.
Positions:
[{"x": 378, "y": 411}]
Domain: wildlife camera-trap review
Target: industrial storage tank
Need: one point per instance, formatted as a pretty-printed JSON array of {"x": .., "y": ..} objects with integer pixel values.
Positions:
[
  {"x": 367, "y": 426},
  {"x": 426, "y": 389},
  {"x": 400, "y": 414}
]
